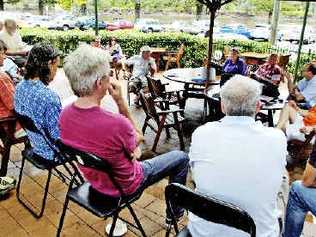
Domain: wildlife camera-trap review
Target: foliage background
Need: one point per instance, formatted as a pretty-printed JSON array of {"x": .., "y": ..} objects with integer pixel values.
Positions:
[{"x": 132, "y": 41}]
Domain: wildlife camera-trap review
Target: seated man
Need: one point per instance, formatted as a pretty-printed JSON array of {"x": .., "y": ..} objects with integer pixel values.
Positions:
[
  {"x": 240, "y": 161},
  {"x": 7, "y": 93},
  {"x": 293, "y": 118},
  {"x": 270, "y": 75},
  {"x": 11, "y": 37},
  {"x": 143, "y": 64},
  {"x": 302, "y": 199},
  {"x": 114, "y": 137},
  {"x": 9, "y": 66},
  {"x": 305, "y": 91}
]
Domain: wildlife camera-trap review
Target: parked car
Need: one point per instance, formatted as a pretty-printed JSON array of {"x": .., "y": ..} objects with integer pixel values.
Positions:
[
  {"x": 293, "y": 35},
  {"x": 64, "y": 23},
  {"x": 148, "y": 25},
  {"x": 86, "y": 23},
  {"x": 120, "y": 25},
  {"x": 226, "y": 29},
  {"x": 39, "y": 21},
  {"x": 176, "y": 26},
  {"x": 260, "y": 32},
  {"x": 242, "y": 30}
]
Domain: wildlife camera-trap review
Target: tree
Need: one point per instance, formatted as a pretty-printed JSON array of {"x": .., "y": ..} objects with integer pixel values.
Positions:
[
  {"x": 137, "y": 9},
  {"x": 199, "y": 10},
  {"x": 2, "y": 2}
]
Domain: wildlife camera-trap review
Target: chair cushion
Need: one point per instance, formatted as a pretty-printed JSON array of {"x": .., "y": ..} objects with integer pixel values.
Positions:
[
  {"x": 99, "y": 204},
  {"x": 38, "y": 161},
  {"x": 184, "y": 233}
]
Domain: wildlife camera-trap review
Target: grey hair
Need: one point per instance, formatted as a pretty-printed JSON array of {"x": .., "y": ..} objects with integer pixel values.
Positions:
[
  {"x": 240, "y": 95},
  {"x": 84, "y": 67}
]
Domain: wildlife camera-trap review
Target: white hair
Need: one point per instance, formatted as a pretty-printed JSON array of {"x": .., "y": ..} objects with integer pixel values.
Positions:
[
  {"x": 84, "y": 67},
  {"x": 240, "y": 95}
]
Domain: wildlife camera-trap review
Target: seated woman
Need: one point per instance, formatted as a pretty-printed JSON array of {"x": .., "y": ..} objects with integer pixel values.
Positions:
[
  {"x": 9, "y": 67},
  {"x": 232, "y": 66},
  {"x": 97, "y": 43},
  {"x": 114, "y": 49},
  {"x": 292, "y": 119},
  {"x": 35, "y": 100},
  {"x": 270, "y": 75}
]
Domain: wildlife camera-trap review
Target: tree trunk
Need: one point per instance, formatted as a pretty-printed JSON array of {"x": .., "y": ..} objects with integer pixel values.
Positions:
[
  {"x": 41, "y": 7},
  {"x": 199, "y": 10},
  {"x": 1, "y": 5},
  {"x": 137, "y": 9}
]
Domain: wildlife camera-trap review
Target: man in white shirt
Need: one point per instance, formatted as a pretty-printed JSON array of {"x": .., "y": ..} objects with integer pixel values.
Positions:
[
  {"x": 16, "y": 47},
  {"x": 240, "y": 161},
  {"x": 305, "y": 90},
  {"x": 143, "y": 65}
]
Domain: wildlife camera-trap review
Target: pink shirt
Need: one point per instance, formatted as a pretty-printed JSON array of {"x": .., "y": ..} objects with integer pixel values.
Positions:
[{"x": 109, "y": 136}]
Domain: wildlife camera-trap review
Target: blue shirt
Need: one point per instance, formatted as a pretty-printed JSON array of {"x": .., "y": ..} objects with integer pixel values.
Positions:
[
  {"x": 308, "y": 90},
  {"x": 239, "y": 67},
  {"x": 43, "y": 106}
]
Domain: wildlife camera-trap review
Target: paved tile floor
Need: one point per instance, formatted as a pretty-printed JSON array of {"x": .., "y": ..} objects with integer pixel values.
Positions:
[{"x": 17, "y": 222}]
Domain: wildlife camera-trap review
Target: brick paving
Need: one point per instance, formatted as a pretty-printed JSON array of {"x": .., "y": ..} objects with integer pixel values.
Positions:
[{"x": 16, "y": 221}]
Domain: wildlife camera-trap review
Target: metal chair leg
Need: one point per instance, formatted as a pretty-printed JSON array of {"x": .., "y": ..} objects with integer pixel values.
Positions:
[
  {"x": 18, "y": 190},
  {"x": 115, "y": 217},
  {"x": 62, "y": 217},
  {"x": 139, "y": 225}
]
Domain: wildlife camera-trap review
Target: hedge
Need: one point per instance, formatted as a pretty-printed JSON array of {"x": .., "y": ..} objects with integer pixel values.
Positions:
[{"x": 131, "y": 41}]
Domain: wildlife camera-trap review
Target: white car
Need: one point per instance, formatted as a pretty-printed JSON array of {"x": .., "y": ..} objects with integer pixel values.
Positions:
[
  {"x": 148, "y": 25},
  {"x": 260, "y": 32},
  {"x": 176, "y": 26},
  {"x": 64, "y": 23}
]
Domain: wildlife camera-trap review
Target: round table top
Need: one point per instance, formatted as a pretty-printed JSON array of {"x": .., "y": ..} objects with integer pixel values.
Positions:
[
  {"x": 194, "y": 76},
  {"x": 254, "y": 55},
  {"x": 268, "y": 103}
]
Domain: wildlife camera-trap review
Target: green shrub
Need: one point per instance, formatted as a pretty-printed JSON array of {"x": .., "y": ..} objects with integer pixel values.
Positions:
[{"x": 132, "y": 41}]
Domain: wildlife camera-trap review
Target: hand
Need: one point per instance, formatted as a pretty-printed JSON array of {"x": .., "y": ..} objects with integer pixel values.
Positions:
[
  {"x": 307, "y": 130},
  {"x": 293, "y": 104},
  {"x": 115, "y": 91}
]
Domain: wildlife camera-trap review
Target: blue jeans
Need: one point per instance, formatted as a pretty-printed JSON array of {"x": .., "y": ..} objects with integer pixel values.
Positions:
[
  {"x": 301, "y": 200},
  {"x": 174, "y": 164}
]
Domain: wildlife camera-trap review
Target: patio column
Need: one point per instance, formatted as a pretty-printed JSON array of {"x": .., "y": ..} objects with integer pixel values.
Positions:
[
  {"x": 275, "y": 21},
  {"x": 96, "y": 17},
  {"x": 301, "y": 41}
]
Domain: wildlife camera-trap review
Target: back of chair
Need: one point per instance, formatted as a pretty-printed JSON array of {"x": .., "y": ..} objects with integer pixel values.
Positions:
[
  {"x": 209, "y": 208},
  {"x": 180, "y": 52},
  {"x": 283, "y": 60},
  {"x": 156, "y": 88},
  {"x": 88, "y": 160},
  {"x": 148, "y": 105}
]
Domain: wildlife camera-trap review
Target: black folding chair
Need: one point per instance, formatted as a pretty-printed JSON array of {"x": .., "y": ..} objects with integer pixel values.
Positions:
[
  {"x": 97, "y": 203},
  {"x": 208, "y": 208},
  {"x": 40, "y": 163}
]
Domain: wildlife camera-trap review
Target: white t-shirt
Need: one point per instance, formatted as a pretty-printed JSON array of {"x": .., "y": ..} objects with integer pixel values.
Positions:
[
  {"x": 140, "y": 66},
  {"x": 241, "y": 162},
  {"x": 14, "y": 42}
]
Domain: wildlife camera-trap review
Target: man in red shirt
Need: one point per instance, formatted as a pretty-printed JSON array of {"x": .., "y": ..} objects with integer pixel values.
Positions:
[{"x": 114, "y": 137}]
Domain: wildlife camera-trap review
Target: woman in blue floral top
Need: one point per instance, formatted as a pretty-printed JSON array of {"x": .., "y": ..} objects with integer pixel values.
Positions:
[{"x": 35, "y": 100}]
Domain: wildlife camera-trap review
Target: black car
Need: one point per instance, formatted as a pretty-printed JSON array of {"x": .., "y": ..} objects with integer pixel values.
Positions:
[{"x": 89, "y": 23}]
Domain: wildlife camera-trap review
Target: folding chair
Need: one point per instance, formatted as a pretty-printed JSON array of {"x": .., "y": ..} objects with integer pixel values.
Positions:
[
  {"x": 40, "y": 163},
  {"x": 97, "y": 203},
  {"x": 7, "y": 130},
  {"x": 208, "y": 208}
]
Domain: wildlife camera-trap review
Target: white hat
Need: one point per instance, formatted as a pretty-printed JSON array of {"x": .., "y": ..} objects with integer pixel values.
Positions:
[{"x": 145, "y": 48}]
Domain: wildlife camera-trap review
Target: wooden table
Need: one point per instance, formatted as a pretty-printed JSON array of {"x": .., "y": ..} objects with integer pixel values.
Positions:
[
  {"x": 271, "y": 108},
  {"x": 252, "y": 58},
  {"x": 156, "y": 53}
]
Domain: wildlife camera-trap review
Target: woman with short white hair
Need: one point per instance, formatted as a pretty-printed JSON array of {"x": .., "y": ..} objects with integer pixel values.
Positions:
[{"x": 241, "y": 97}]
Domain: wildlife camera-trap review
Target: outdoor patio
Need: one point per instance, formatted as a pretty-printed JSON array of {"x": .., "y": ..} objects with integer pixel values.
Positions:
[{"x": 17, "y": 221}]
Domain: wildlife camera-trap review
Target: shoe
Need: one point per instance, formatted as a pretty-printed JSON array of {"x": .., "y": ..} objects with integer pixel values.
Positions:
[
  {"x": 119, "y": 230},
  {"x": 6, "y": 184}
]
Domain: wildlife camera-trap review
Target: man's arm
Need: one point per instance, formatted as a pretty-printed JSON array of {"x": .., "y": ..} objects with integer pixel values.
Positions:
[
  {"x": 152, "y": 66},
  {"x": 7, "y": 92},
  {"x": 116, "y": 93},
  {"x": 309, "y": 176}
]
